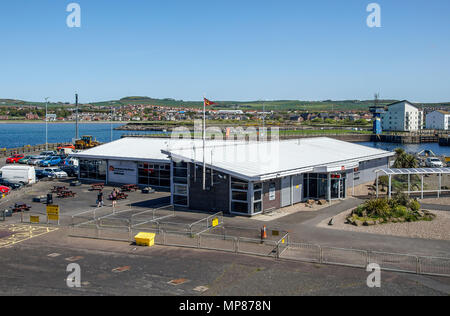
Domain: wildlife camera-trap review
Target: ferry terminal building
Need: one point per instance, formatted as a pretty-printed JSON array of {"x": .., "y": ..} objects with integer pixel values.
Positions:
[{"x": 243, "y": 178}]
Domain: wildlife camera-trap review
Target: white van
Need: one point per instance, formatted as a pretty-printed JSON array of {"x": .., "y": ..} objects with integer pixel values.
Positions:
[{"x": 19, "y": 174}]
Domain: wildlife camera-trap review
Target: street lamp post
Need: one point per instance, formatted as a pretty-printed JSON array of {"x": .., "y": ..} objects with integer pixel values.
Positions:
[
  {"x": 46, "y": 124},
  {"x": 111, "y": 123}
]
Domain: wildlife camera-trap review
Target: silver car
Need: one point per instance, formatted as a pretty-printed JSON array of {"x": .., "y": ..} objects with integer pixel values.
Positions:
[
  {"x": 434, "y": 163},
  {"x": 55, "y": 173},
  {"x": 35, "y": 160}
]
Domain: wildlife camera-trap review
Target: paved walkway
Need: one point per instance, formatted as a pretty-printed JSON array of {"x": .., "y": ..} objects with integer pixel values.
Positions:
[
  {"x": 436, "y": 207},
  {"x": 303, "y": 228}
]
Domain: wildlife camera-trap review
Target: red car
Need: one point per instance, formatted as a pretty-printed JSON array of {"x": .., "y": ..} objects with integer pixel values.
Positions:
[
  {"x": 4, "y": 190},
  {"x": 14, "y": 159}
]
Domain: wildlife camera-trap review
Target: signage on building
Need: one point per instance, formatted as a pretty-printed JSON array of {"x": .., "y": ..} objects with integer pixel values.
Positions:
[
  {"x": 122, "y": 172},
  {"x": 272, "y": 192}
]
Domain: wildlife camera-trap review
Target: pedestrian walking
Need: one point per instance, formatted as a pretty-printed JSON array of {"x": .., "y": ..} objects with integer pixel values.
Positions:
[
  {"x": 100, "y": 202},
  {"x": 114, "y": 198}
]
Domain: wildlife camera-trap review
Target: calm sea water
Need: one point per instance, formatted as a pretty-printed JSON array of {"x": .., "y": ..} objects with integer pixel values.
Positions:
[
  {"x": 18, "y": 135},
  {"x": 412, "y": 148}
]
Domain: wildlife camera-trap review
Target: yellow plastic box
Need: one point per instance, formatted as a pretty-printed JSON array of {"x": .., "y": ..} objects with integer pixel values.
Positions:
[{"x": 145, "y": 239}]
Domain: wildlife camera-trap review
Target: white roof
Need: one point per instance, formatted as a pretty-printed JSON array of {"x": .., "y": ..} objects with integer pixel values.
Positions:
[
  {"x": 139, "y": 149},
  {"x": 260, "y": 161}
]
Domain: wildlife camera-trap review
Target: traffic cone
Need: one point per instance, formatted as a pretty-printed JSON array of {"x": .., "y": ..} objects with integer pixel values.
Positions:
[{"x": 264, "y": 233}]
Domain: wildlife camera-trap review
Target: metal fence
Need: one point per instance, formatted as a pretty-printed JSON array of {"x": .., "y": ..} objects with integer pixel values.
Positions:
[
  {"x": 283, "y": 249},
  {"x": 210, "y": 233},
  {"x": 362, "y": 258}
]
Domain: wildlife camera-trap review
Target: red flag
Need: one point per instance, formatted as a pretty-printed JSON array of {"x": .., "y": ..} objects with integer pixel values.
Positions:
[{"x": 208, "y": 103}]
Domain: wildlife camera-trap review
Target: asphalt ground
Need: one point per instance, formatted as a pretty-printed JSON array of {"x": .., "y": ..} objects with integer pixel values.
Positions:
[
  {"x": 28, "y": 270},
  {"x": 302, "y": 226},
  {"x": 38, "y": 267}
]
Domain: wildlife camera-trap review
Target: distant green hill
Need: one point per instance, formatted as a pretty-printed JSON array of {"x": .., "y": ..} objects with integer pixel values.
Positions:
[{"x": 280, "y": 105}]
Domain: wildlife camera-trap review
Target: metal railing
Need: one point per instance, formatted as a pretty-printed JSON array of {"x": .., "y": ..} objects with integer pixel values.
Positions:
[{"x": 283, "y": 249}]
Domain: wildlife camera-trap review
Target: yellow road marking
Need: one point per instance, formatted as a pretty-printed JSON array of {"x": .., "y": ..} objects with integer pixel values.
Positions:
[{"x": 21, "y": 233}]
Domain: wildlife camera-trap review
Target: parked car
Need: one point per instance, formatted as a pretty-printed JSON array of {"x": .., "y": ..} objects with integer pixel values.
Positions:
[
  {"x": 25, "y": 160},
  {"x": 14, "y": 158},
  {"x": 11, "y": 185},
  {"x": 55, "y": 173},
  {"x": 35, "y": 160},
  {"x": 433, "y": 162},
  {"x": 4, "y": 190},
  {"x": 40, "y": 174},
  {"x": 48, "y": 153},
  {"x": 50, "y": 161},
  {"x": 72, "y": 171}
]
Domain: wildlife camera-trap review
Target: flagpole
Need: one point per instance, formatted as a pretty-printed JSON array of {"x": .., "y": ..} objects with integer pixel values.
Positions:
[{"x": 204, "y": 143}]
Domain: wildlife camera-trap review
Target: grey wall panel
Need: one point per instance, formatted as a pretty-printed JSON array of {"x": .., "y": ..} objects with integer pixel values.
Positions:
[
  {"x": 285, "y": 191},
  {"x": 297, "y": 189}
]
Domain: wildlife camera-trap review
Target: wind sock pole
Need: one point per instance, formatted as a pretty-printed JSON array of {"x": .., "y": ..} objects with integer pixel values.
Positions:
[{"x": 204, "y": 143}]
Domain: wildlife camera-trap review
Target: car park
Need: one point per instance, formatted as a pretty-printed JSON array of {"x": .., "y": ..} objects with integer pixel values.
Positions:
[
  {"x": 14, "y": 158},
  {"x": 55, "y": 173},
  {"x": 50, "y": 161}
]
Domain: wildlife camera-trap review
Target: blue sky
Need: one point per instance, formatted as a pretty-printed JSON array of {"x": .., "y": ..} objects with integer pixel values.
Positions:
[{"x": 230, "y": 50}]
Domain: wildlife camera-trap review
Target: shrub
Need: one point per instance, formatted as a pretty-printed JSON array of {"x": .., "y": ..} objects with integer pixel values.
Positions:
[
  {"x": 359, "y": 211},
  {"x": 399, "y": 199},
  {"x": 400, "y": 211},
  {"x": 377, "y": 208},
  {"x": 414, "y": 205}
]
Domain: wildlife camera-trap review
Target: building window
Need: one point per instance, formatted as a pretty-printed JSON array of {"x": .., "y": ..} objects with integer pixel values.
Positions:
[
  {"x": 257, "y": 197},
  {"x": 93, "y": 169},
  {"x": 239, "y": 196},
  {"x": 180, "y": 186},
  {"x": 154, "y": 174}
]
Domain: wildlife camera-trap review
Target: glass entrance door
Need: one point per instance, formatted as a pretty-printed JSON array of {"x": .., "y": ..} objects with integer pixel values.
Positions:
[{"x": 338, "y": 188}]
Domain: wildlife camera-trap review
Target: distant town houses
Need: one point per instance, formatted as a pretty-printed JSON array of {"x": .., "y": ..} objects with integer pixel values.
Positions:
[
  {"x": 32, "y": 116},
  {"x": 399, "y": 116}
]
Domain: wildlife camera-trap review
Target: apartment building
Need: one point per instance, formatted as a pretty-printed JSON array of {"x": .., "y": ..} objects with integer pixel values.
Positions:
[
  {"x": 402, "y": 116},
  {"x": 438, "y": 120}
]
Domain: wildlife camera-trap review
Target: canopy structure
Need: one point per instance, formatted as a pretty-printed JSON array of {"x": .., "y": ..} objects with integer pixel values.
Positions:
[{"x": 414, "y": 171}]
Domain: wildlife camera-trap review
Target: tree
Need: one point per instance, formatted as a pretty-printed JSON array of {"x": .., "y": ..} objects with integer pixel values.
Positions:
[{"x": 404, "y": 160}]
